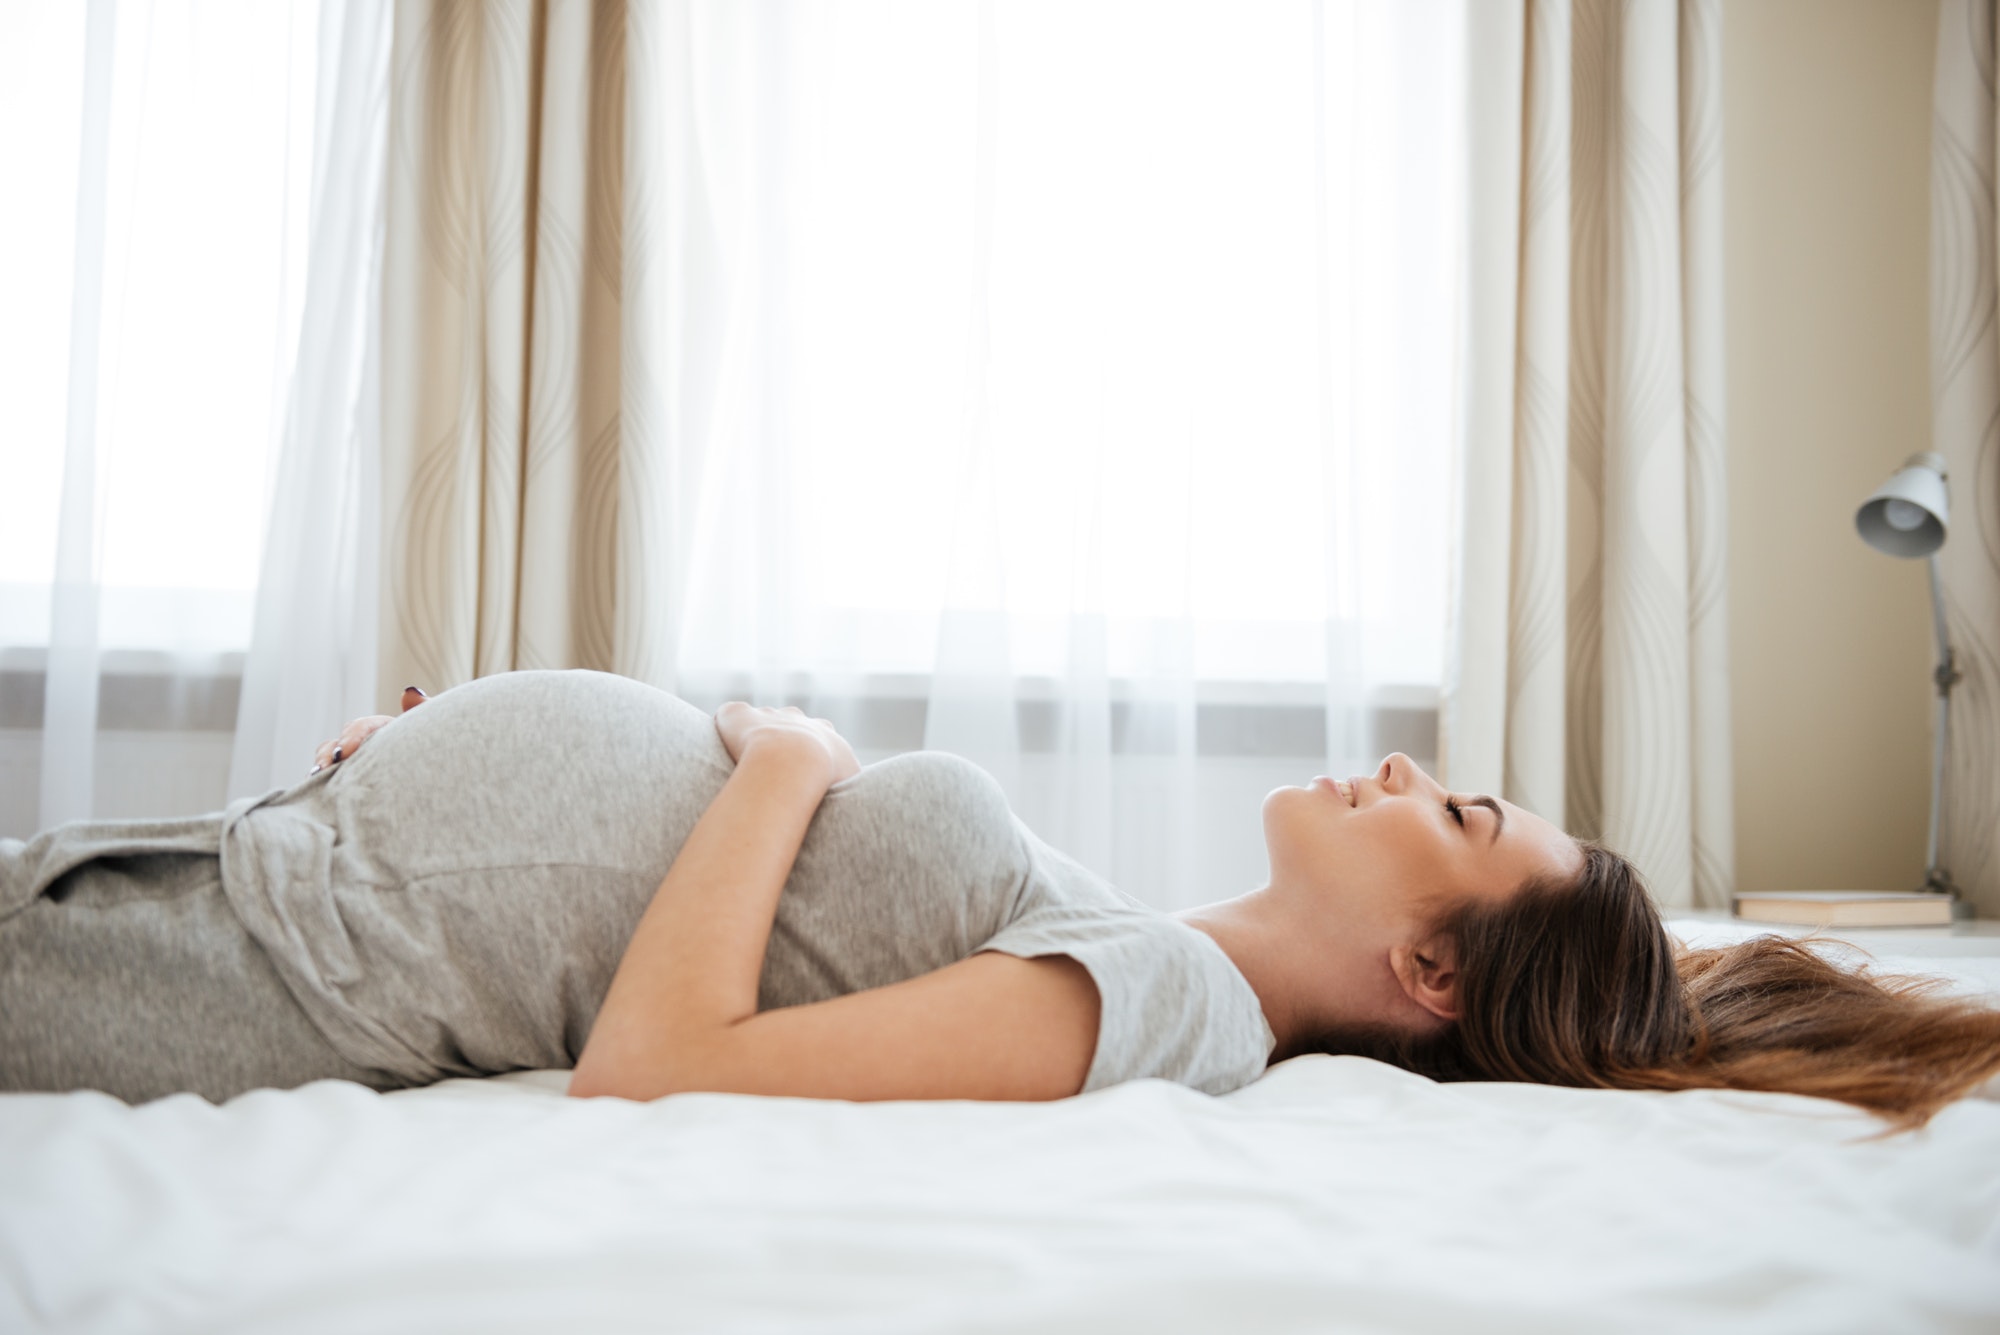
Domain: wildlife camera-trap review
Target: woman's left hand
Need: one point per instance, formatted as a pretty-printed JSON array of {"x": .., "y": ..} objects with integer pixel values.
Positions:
[
  {"x": 360, "y": 730},
  {"x": 744, "y": 727}
]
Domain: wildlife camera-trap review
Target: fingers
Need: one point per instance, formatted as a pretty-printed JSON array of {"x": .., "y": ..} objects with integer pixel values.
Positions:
[
  {"x": 350, "y": 740},
  {"x": 412, "y": 697},
  {"x": 330, "y": 753}
]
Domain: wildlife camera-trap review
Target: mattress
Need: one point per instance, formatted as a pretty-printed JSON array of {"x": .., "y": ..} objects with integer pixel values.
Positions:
[{"x": 1333, "y": 1194}]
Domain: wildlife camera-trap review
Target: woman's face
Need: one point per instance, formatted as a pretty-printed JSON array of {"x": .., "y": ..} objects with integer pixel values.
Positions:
[{"x": 1395, "y": 848}]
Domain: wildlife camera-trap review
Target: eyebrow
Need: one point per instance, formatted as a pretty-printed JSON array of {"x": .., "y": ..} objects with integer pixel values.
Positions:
[{"x": 1499, "y": 816}]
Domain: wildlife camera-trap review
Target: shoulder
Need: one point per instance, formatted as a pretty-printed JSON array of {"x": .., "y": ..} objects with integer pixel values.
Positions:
[{"x": 1172, "y": 1004}]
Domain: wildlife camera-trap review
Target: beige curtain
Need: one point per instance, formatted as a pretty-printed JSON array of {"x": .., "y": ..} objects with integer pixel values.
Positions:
[
  {"x": 1587, "y": 676},
  {"x": 502, "y": 330},
  {"x": 1965, "y": 399}
]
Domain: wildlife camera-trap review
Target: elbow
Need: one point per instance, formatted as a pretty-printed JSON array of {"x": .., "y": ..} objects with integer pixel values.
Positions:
[
  {"x": 651, "y": 1064},
  {"x": 599, "y": 1077},
  {"x": 596, "y": 1082},
  {"x": 592, "y": 1084}
]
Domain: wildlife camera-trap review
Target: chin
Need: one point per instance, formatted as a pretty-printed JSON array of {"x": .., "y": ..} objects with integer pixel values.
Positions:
[
  {"x": 1279, "y": 799},
  {"x": 1284, "y": 809}
]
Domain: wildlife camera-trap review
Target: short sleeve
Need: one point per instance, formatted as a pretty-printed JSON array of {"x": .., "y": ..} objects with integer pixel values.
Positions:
[{"x": 1172, "y": 1004}]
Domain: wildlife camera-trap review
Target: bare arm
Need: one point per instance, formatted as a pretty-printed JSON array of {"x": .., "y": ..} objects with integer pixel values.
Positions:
[{"x": 681, "y": 1013}]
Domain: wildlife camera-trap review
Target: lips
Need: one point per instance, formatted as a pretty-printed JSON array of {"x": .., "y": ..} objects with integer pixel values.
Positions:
[{"x": 1341, "y": 788}]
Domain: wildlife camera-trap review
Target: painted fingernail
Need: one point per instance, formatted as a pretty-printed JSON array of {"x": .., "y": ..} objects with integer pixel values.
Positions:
[
  {"x": 418, "y": 689},
  {"x": 314, "y": 770},
  {"x": 336, "y": 755}
]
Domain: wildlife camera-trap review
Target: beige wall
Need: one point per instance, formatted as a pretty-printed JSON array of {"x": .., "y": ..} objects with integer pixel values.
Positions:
[{"x": 1826, "y": 108}]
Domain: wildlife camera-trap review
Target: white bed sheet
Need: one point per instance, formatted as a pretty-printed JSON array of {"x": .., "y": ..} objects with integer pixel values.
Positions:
[{"x": 1334, "y": 1194}]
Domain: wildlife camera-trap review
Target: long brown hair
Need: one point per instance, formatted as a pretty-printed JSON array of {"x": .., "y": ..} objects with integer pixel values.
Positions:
[{"x": 1576, "y": 981}]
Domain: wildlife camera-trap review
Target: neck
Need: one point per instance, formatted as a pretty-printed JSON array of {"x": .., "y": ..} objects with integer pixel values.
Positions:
[{"x": 1290, "y": 962}]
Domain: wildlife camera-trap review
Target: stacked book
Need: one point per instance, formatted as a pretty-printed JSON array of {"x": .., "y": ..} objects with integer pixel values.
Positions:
[{"x": 1846, "y": 908}]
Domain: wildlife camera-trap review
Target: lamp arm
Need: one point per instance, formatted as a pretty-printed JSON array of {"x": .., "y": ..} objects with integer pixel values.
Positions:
[
  {"x": 1947, "y": 668},
  {"x": 1945, "y": 677}
]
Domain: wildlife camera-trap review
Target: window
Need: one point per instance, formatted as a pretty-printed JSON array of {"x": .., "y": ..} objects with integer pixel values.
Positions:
[
  {"x": 1199, "y": 292},
  {"x": 191, "y": 204}
]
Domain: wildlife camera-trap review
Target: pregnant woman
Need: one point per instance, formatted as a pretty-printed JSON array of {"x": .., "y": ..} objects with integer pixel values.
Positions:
[{"x": 571, "y": 869}]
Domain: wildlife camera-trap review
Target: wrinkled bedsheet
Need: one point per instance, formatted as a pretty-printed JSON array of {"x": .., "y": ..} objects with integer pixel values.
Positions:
[{"x": 1333, "y": 1194}]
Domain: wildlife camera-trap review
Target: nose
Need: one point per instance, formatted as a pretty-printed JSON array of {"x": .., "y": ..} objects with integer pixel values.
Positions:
[{"x": 1400, "y": 774}]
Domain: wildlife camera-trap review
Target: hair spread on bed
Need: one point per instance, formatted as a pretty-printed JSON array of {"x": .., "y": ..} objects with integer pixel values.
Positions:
[{"x": 1575, "y": 981}]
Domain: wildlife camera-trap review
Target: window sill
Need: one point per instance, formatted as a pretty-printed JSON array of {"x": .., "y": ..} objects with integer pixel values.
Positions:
[{"x": 148, "y": 691}]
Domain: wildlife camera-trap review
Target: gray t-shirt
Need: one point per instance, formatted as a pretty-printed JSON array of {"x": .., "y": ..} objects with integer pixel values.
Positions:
[{"x": 454, "y": 898}]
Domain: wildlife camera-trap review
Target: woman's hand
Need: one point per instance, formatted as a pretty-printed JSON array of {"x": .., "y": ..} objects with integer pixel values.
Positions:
[
  {"x": 354, "y": 734},
  {"x": 744, "y": 727}
]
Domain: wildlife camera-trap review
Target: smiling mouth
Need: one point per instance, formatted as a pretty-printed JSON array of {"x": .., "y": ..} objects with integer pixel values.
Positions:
[{"x": 1343, "y": 788}]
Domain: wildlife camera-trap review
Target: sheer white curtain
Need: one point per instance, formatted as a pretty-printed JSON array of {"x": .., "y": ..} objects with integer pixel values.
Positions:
[
  {"x": 151, "y": 256},
  {"x": 1081, "y": 372},
  {"x": 311, "y": 660}
]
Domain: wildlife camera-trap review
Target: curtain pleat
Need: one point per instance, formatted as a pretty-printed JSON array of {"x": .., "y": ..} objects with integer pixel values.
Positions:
[
  {"x": 1611, "y": 704},
  {"x": 1473, "y": 738},
  {"x": 71, "y": 677},
  {"x": 1536, "y": 664},
  {"x": 649, "y": 555},
  {"x": 1711, "y": 793},
  {"x": 1965, "y": 418}
]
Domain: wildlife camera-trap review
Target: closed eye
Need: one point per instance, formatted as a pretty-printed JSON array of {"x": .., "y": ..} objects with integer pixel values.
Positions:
[{"x": 1457, "y": 810}]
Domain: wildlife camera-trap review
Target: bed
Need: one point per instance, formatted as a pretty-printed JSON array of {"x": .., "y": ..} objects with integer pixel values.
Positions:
[{"x": 1333, "y": 1194}]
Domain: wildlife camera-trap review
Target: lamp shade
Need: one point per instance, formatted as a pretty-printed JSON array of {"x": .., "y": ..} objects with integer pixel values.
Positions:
[{"x": 1908, "y": 514}]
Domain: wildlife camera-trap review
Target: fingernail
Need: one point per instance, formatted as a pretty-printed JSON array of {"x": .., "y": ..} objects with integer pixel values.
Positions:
[
  {"x": 314, "y": 770},
  {"x": 418, "y": 689},
  {"x": 336, "y": 755}
]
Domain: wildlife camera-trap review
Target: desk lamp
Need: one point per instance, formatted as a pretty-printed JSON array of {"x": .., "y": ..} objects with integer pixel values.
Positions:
[{"x": 1906, "y": 517}]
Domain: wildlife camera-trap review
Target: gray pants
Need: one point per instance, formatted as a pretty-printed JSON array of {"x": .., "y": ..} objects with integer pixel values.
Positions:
[{"x": 123, "y": 968}]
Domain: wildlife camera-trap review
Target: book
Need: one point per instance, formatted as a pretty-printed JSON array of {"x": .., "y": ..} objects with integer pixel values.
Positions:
[{"x": 1846, "y": 908}]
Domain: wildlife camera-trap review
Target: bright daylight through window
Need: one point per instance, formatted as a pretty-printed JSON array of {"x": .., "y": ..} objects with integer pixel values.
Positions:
[
  {"x": 1176, "y": 358},
  {"x": 170, "y": 387},
  {"x": 1175, "y": 364}
]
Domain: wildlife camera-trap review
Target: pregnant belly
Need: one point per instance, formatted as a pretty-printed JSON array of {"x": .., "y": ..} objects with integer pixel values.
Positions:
[
  {"x": 488, "y": 855},
  {"x": 529, "y": 768},
  {"x": 455, "y": 898}
]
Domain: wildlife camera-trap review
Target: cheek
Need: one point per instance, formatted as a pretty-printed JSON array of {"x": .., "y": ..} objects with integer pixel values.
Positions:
[
  {"x": 1310, "y": 841},
  {"x": 1394, "y": 851}
]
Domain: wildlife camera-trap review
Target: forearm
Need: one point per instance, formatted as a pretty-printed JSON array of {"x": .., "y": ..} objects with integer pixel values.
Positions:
[{"x": 692, "y": 967}]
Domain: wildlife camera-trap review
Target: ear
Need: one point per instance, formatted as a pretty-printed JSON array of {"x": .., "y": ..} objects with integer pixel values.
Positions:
[{"x": 1428, "y": 973}]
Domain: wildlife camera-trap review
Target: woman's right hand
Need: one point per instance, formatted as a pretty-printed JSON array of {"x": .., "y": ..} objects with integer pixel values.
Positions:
[
  {"x": 743, "y": 727},
  {"x": 360, "y": 730}
]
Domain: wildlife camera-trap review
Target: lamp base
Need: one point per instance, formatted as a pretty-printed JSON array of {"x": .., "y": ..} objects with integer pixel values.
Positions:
[{"x": 1937, "y": 881}]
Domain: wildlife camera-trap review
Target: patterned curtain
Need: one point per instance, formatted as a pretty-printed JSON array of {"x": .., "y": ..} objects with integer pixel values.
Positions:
[
  {"x": 1965, "y": 417},
  {"x": 502, "y": 335},
  {"x": 1587, "y": 678}
]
